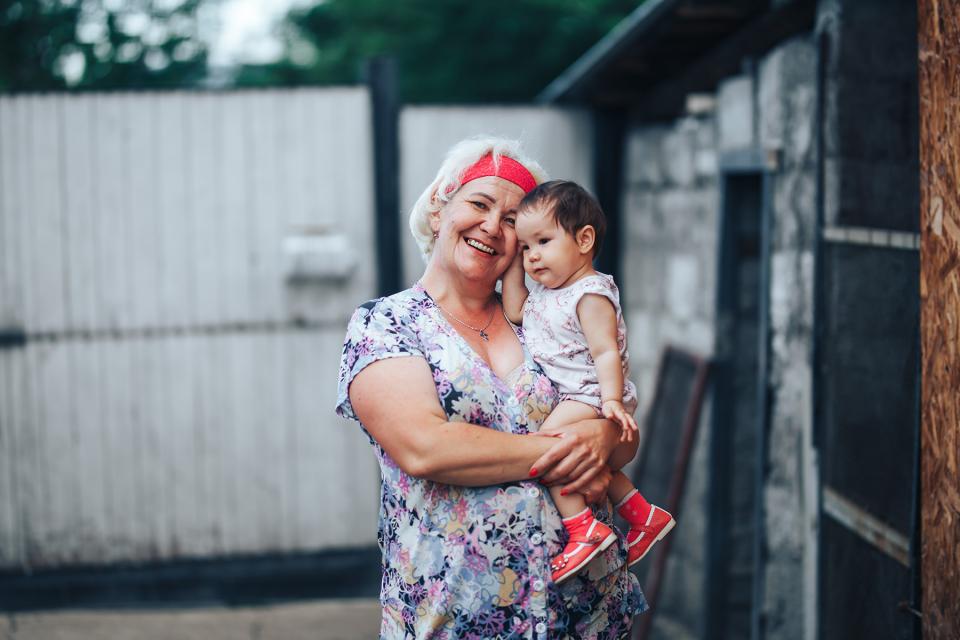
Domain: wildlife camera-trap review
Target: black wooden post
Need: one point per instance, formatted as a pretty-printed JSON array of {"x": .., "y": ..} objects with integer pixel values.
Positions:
[
  {"x": 380, "y": 75},
  {"x": 609, "y": 129}
]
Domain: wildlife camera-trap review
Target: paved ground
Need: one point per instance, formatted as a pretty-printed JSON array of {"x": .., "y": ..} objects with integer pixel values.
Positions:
[{"x": 320, "y": 620}]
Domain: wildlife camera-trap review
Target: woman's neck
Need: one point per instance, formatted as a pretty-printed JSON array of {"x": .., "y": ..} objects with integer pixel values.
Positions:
[{"x": 447, "y": 289}]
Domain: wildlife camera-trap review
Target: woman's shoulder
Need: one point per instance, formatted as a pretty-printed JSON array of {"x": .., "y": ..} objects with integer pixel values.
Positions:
[{"x": 401, "y": 303}]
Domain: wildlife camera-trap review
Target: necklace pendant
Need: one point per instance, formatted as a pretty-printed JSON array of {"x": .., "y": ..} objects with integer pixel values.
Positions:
[{"x": 484, "y": 336}]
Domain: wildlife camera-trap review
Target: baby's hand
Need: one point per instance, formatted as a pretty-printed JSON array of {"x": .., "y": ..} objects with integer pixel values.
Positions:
[{"x": 614, "y": 410}]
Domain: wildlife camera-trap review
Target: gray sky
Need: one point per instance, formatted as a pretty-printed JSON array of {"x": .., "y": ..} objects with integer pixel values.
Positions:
[{"x": 245, "y": 31}]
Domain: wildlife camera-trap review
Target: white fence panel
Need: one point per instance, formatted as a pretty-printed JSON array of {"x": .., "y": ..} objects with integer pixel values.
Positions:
[{"x": 174, "y": 396}]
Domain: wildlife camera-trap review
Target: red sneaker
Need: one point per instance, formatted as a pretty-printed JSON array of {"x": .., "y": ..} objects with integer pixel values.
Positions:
[
  {"x": 581, "y": 549},
  {"x": 641, "y": 538}
]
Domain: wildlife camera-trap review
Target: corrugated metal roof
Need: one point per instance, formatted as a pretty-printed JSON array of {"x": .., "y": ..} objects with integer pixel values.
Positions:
[{"x": 662, "y": 41}]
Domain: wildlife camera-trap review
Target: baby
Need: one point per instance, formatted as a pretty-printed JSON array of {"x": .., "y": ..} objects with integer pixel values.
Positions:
[{"x": 574, "y": 329}]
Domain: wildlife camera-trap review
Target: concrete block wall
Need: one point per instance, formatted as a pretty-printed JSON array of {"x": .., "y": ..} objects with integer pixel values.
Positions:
[
  {"x": 671, "y": 217},
  {"x": 669, "y": 254},
  {"x": 786, "y": 90}
]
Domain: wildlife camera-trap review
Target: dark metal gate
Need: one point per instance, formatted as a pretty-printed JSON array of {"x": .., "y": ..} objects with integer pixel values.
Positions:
[
  {"x": 740, "y": 399},
  {"x": 866, "y": 382}
]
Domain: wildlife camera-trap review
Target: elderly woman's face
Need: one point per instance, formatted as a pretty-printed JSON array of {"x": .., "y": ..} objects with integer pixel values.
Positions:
[{"x": 475, "y": 230}]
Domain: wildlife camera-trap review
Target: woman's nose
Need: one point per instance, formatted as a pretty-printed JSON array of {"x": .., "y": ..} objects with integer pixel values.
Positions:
[{"x": 491, "y": 224}]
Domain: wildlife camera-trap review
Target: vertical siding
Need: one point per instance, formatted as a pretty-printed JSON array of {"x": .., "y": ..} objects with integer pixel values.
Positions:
[{"x": 175, "y": 396}]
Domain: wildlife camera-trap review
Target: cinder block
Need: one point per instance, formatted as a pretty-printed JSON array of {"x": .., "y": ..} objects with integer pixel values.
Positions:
[
  {"x": 685, "y": 211},
  {"x": 641, "y": 216},
  {"x": 644, "y": 285},
  {"x": 735, "y": 113},
  {"x": 705, "y": 163},
  {"x": 786, "y": 94},
  {"x": 683, "y": 285},
  {"x": 794, "y": 208},
  {"x": 643, "y": 156},
  {"x": 643, "y": 339},
  {"x": 678, "y": 156}
]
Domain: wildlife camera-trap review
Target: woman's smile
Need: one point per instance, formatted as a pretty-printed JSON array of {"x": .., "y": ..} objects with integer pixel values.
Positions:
[{"x": 479, "y": 246}]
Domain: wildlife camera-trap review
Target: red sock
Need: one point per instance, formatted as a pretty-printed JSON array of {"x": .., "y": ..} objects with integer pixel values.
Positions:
[
  {"x": 580, "y": 521},
  {"x": 634, "y": 508}
]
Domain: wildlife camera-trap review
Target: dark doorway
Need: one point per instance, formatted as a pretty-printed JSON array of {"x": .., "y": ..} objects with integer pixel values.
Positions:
[{"x": 739, "y": 405}]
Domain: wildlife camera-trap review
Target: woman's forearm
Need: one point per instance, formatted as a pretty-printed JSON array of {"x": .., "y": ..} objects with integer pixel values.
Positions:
[{"x": 468, "y": 455}]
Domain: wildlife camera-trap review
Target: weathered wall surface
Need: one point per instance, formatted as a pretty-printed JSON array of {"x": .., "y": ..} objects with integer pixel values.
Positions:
[
  {"x": 668, "y": 258},
  {"x": 786, "y": 89}
]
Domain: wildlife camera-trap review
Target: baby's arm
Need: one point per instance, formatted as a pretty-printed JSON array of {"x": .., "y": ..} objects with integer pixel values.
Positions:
[
  {"x": 514, "y": 291},
  {"x": 598, "y": 318}
]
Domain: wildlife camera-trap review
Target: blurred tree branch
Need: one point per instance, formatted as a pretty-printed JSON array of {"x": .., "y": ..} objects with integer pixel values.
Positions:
[
  {"x": 97, "y": 44},
  {"x": 448, "y": 51}
]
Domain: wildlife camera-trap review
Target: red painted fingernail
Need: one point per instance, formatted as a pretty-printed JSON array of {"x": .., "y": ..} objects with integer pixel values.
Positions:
[
  {"x": 533, "y": 472},
  {"x": 563, "y": 492}
]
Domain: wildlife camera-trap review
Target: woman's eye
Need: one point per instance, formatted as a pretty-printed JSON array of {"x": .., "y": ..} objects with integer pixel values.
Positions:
[
  {"x": 510, "y": 221},
  {"x": 479, "y": 205}
]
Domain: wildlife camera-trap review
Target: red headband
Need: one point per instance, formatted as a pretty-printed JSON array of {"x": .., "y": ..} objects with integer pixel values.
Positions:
[{"x": 509, "y": 169}]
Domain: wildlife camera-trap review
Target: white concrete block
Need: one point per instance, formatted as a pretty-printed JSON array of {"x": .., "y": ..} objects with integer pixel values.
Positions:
[
  {"x": 735, "y": 114},
  {"x": 682, "y": 285}
]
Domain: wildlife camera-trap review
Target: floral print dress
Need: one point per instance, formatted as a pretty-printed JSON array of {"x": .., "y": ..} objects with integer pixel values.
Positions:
[{"x": 473, "y": 562}]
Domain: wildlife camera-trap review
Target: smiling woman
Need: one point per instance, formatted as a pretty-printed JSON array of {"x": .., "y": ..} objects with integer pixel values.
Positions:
[{"x": 445, "y": 388}]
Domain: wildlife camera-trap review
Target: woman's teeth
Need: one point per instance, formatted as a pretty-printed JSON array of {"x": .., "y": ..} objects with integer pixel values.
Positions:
[{"x": 479, "y": 245}]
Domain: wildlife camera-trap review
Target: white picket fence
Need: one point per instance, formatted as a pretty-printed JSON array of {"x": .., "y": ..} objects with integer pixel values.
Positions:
[{"x": 174, "y": 395}]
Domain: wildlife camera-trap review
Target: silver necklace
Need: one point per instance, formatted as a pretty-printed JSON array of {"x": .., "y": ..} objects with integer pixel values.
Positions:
[{"x": 483, "y": 332}]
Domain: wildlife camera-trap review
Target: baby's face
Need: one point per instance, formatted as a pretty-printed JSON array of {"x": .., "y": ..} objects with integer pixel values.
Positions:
[{"x": 550, "y": 254}]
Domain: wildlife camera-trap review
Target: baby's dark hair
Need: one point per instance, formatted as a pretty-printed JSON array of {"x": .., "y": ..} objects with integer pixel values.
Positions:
[{"x": 572, "y": 207}]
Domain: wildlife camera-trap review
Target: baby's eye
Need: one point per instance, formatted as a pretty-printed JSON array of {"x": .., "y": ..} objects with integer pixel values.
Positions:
[
  {"x": 544, "y": 240},
  {"x": 524, "y": 248}
]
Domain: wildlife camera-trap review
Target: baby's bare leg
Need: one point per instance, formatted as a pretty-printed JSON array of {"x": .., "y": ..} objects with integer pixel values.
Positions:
[
  {"x": 565, "y": 414},
  {"x": 620, "y": 486}
]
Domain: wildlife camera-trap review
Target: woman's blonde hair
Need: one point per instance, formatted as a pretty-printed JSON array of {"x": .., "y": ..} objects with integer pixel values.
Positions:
[{"x": 461, "y": 157}]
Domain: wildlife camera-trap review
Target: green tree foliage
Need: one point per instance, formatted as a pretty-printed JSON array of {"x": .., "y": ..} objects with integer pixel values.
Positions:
[
  {"x": 447, "y": 50},
  {"x": 99, "y": 44}
]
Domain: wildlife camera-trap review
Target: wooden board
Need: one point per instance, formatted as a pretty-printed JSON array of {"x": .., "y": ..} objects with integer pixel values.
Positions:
[{"x": 939, "y": 44}]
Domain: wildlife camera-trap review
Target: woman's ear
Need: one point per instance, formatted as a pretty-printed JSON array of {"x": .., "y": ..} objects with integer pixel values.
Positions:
[
  {"x": 434, "y": 216},
  {"x": 586, "y": 237}
]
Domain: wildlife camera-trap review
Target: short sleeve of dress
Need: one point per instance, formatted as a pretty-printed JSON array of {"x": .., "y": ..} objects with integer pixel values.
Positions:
[
  {"x": 378, "y": 330},
  {"x": 601, "y": 285}
]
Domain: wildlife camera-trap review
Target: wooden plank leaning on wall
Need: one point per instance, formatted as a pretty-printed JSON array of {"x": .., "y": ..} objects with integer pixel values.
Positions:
[{"x": 939, "y": 59}]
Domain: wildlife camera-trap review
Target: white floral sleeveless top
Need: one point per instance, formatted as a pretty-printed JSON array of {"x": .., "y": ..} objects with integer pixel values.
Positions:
[{"x": 556, "y": 341}]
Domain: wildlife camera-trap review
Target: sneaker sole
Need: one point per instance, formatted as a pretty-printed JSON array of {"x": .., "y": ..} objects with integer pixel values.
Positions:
[
  {"x": 609, "y": 540},
  {"x": 666, "y": 529}
]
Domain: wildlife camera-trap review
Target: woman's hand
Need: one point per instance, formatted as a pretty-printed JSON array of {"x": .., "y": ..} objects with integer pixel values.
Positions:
[
  {"x": 594, "y": 490},
  {"x": 579, "y": 455}
]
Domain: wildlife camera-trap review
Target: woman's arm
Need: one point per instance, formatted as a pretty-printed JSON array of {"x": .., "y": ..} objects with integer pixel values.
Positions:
[
  {"x": 396, "y": 400},
  {"x": 514, "y": 291}
]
